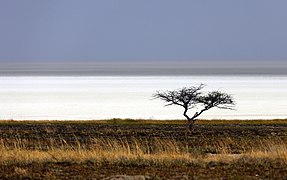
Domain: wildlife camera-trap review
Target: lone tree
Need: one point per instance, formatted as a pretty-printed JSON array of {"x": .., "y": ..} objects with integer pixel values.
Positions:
[{"x": 193, "y": 98}]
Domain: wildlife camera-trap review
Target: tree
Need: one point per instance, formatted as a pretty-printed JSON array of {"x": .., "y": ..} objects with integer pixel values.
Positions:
[{"x": 193, "y": 98}]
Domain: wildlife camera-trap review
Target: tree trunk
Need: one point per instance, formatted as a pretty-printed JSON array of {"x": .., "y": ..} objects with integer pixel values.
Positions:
[
  {"x": 190, "y": 120},
  {"x": 190, "y": 124}
]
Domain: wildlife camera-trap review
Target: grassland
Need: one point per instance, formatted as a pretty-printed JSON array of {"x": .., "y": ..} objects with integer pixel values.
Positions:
[{"x": 251, "y": 149}]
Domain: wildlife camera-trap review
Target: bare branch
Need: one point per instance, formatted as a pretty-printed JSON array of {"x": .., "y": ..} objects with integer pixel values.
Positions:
[
  {"x": 192, "y": 97},
  {"x": 186, "y": 96},
  {"x": 217, "y": 99}
]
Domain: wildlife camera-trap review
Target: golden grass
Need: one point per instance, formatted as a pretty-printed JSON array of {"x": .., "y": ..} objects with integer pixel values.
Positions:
[
  {"x": 275, "y": 149},
  {"x": 158, "y": 152}
]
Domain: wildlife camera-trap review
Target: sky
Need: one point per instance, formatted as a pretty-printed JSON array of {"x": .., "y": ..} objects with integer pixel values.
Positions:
[{"x": 143, "y": 30}]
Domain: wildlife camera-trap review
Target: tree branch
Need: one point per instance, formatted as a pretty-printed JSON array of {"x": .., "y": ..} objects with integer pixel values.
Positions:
[{"x": 191, "y": 97}]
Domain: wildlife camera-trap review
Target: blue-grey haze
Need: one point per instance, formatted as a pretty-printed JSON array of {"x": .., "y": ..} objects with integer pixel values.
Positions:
[
  {"x": 141, "y": 30},
  {"x": 141, "y": 68}
]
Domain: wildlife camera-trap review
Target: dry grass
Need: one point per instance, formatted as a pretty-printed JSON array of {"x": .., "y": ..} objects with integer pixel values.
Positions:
[
  {"x": 101, "y": 151},
  {"x": 162, "y": 150},
  {"x": 156, "y": 152},
  {"x": 276, "y": 149}
]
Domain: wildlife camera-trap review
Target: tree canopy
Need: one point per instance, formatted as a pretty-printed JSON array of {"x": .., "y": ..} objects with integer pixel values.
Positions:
[{"x": 194, "y": 97}]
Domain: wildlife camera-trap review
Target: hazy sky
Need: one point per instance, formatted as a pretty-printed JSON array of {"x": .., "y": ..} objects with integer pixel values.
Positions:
[{"x": 143, "y": 30}]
